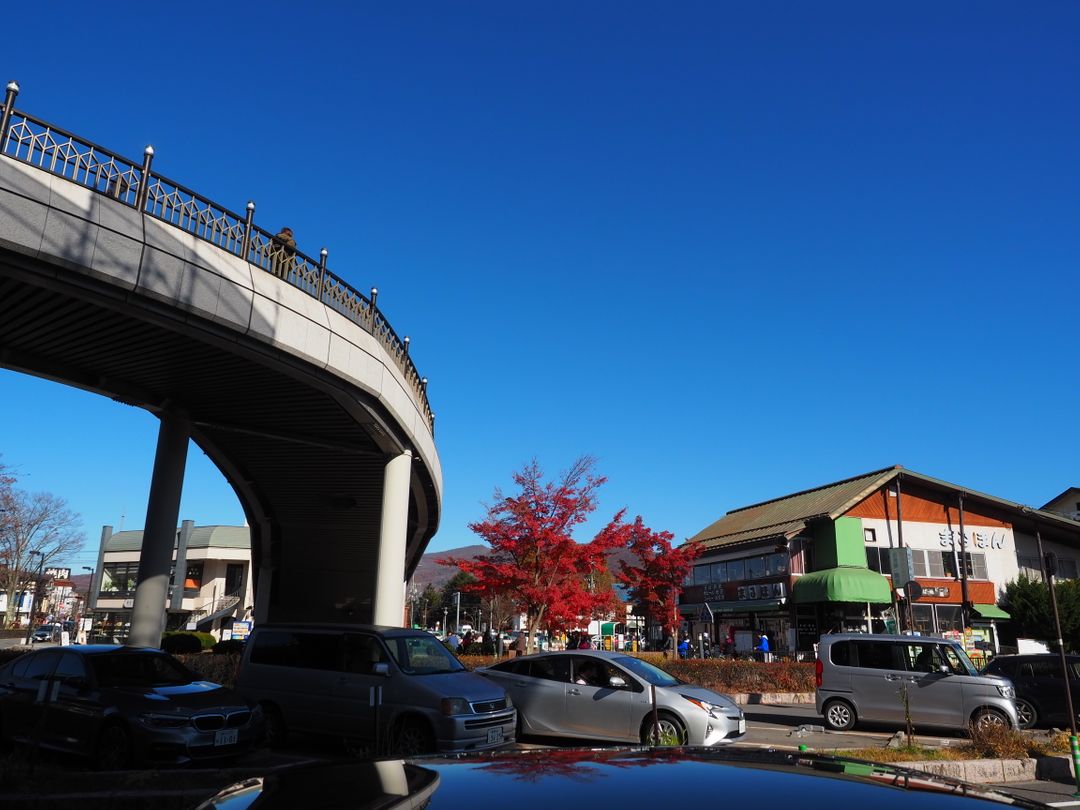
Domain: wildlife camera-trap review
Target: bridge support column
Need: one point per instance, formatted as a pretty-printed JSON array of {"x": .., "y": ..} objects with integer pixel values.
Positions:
[
  {"x": 159, "y": 535},
  {"x": 389, "y": 608}
]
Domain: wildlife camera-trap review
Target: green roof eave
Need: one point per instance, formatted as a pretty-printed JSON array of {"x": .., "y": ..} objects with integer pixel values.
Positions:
[
  {"x": 842, "y": 584},
  {"x": 991, "y": 612}
]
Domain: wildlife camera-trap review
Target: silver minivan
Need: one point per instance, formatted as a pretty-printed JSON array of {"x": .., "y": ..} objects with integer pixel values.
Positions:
[
  {"x": 381, "y": 689},
  {"x": 881, "y": 678}
]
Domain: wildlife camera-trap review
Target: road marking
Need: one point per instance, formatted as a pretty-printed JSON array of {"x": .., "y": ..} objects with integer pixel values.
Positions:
[{"x": 1062, "y": 804}]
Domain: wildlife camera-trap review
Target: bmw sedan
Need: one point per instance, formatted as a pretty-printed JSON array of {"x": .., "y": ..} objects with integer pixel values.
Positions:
[
  {"x": 121, "y": 706},
  {"x": 607, "y": 696}
]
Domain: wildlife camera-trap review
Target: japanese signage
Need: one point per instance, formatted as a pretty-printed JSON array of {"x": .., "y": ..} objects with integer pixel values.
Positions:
[
  {"x": 769, "y": 590},
  {"x": 982, "y": 539},
  {"x": 58, "y": 573}
]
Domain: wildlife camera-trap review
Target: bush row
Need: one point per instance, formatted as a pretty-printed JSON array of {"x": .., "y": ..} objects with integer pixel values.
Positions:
[{"x": 720, "y": 675}]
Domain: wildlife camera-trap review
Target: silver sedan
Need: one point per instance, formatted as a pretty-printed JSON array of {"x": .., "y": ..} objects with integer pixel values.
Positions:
[{"x": 607, "y": 696}]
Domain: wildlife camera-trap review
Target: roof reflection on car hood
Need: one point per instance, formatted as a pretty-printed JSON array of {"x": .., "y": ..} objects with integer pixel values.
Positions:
[{"x": 616, "y": 778}]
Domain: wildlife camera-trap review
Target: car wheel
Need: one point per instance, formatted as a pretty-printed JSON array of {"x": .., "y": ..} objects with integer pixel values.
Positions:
[
  {"x": 274, "y": 729},
  {"x": 113, "y": 748},
  {"x": 412, "y": 737},
  {"x": 989, "y": 718},
  {"x": 1026, "y": 713},
  {"x": 839, "y": 715},
  {"x": 667, "y": 730}
]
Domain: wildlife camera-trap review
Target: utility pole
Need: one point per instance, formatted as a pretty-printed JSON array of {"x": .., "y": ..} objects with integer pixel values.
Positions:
[
  {"x": 457, "y": 621},
  {"x": 33, "y": 595}
]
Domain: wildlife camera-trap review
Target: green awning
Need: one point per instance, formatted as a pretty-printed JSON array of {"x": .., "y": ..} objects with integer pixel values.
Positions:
[
  {"x": 745, "y": 606},
  {"x": 991, "y": 612},
  {"x": 608, "y": 628},
  {"x": 843, "y": 584}
]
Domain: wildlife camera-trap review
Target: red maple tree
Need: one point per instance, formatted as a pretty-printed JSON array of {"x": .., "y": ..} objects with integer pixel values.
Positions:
[
  {"x": 534, "y": 558},
  {"x": 655, "y": 583}
]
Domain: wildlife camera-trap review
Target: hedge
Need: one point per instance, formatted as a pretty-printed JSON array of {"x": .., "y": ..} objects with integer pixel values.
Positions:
[{"x": 719, "y": 674}]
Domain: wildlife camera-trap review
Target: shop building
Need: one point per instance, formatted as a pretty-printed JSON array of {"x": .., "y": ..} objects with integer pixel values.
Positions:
[
  {"x": 823, "y": 560},
  {"x": 212, "y": 591}
]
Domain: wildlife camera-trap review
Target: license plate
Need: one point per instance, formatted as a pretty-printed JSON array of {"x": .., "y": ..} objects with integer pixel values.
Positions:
[
  {"x": 742, "y": 725},
  {"x": 227, "y": 736},
  {"x": 495, "y": 735}
]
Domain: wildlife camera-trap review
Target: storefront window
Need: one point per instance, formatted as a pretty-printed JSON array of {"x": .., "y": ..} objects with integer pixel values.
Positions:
[
  {"x": 736, "y": 570},
  {"x": 923, "y": 618},
  {"x": 701, "y": 575},
  {"x": 719, "y": 572},
  {"x": 778, "y": 564},
  {"x": 948, "y": 618},
  {"x": 755, "y": 567}
]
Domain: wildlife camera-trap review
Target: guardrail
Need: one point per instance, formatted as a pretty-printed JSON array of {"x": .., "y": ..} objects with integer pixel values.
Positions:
[{"x": 59, "y": 152}]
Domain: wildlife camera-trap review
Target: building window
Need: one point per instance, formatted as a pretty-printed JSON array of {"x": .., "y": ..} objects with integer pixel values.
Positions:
[
  {"x": 736, "y": 570},
  {"x": 918, "y": 559},
  {"x": 877, "y": 559},
  {"x": 119, "y": 578},
  {"x": 936, "y": 562},
  {"x": 777, "y": 564},
  {"x": 755, "y": 567},
  {"x": 923, "y": 617},
  {"x": 701, "y": 575},
  {"x": 948, "y": 618},
  {"x": 869, "y": 535},
  {"x": 194, "y": 577},
  {"x": 1066, "y": 568},
  {"x": 719, "y": 572},
  {"x": 1030, "y": 568}
]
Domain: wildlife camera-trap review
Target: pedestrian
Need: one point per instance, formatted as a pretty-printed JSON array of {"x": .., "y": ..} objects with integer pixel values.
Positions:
[
  {"x": 454, "y": 640},
  {"x": 465, "y": 642},
  {"x": 684, "y": 647},
  {"x": 585, "y": 643},
  {"x": 282, "y": 252},
  {"x": 763, "y": 647},
  {"x": 519, "y": 646}
]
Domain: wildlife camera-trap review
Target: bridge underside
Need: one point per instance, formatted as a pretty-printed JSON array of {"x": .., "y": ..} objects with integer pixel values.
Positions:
[{"x": 304, "y": 452}]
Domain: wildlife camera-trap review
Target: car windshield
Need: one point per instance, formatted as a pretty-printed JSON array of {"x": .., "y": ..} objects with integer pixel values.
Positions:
[
  {"x": 139, "y": 669},
  {"x": 422, "y": 655},
  {"x": 646, "y": 671},
  {"x": 958, "y": 660}
]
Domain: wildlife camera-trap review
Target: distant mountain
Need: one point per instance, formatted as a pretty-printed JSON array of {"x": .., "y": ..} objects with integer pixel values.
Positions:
[{"x": 429, "y": 572}]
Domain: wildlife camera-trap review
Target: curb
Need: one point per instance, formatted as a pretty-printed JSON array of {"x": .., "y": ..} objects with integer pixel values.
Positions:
[{"x": 978, "y": 771}]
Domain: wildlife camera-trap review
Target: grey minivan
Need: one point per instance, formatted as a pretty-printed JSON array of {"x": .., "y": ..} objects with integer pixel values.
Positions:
[
  {"x": 385, "y": 689},
  {"x": 872, "y": 677}
]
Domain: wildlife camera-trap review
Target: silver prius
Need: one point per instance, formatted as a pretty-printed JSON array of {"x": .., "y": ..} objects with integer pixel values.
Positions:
[{"x": 607, "y": 696}]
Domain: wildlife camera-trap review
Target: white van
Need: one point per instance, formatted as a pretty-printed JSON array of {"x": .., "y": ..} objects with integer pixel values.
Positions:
[
  {"x": 882, "y": 678},
  {"x": 388, "y": 689}
]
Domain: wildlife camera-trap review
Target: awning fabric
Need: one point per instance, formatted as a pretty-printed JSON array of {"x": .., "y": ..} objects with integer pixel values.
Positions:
[
  {"x": 991, "y": 612},
  {"x": 843, "y": 584},
  {"x": 607, "y": 628}
]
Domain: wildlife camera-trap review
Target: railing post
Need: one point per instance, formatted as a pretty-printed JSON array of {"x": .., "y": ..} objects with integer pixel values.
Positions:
[
  {"x": 144, "y": 179},
  {"x": 406, "y": 342},
  {"x": 322, "y": 273},
  {"x": 371, "y": 311},
  {"x": 5, "y": 118},
  {"x": 245, "y": 246}
]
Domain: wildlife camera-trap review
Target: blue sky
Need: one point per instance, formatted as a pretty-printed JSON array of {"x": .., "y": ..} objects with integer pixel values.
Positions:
[{"x": 731, "y": 250}]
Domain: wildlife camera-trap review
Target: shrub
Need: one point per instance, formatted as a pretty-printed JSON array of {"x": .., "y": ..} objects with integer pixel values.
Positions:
[
  {"x": 219, "y": 669},
  {"x": 232, "y": 646},
  {"x": 181, "y": 643},
  {"x": 998, "y": 742}
]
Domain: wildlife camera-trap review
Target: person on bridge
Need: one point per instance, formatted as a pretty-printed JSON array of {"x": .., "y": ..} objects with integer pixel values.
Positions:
[{"x": 282, "y": 252}]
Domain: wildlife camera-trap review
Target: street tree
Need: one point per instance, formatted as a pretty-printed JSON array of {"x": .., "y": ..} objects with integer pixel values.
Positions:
[
  {"x": 36, "y": 529},
  {"x": 655, "y": 583},
  {"x": 1028, "y": 604},
  {"x": 535, "y": 560}
]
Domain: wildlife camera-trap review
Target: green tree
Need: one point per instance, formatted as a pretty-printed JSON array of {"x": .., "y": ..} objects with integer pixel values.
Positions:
[{"x": 1028, "y": 603}]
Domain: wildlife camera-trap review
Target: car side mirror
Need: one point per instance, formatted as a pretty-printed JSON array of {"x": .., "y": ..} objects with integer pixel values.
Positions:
[
  {"x": 944, "y": 669},
  {"x": 615, "y": 682},
  {"x": 381, "y": 668}
]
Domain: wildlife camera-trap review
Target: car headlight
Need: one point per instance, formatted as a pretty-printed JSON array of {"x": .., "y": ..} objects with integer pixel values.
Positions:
[
  {"x": 509, "y": 701},
  {"x": 704, "y": 705},
  {"x": 452, "y": 706},
  {"x": 1007, "y": 691},
  {"x": 164, "y": 720}
]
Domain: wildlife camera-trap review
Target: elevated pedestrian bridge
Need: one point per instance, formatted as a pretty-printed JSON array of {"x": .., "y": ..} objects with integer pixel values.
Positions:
[{"x": 119, "y": 281}]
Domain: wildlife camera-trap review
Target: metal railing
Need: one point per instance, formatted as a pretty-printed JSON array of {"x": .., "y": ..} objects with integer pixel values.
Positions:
[
  {"x": 59, "y": 152},
  {"x": 212, "y": 607}
]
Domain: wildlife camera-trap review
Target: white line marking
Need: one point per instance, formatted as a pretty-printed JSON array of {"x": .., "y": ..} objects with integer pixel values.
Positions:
[{"x": 1062, "y": 804}]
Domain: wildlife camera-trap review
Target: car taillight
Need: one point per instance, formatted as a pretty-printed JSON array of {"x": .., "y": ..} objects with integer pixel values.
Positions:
[{"x": 818, "y": 668}]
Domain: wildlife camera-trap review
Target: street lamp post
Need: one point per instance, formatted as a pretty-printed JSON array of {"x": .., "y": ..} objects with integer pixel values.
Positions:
[
  {"x": 33, "y": 595},
  {"x": 79, "y": 633}
]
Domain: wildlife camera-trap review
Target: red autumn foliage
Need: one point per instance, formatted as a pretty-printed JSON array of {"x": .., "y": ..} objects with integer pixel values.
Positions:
[
  {"x": 534, "y": 558},
  {"x": 656, "y": 582}
]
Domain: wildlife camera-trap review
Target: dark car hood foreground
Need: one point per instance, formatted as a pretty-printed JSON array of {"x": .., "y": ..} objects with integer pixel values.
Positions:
[{"x": 627, "y": 779}]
